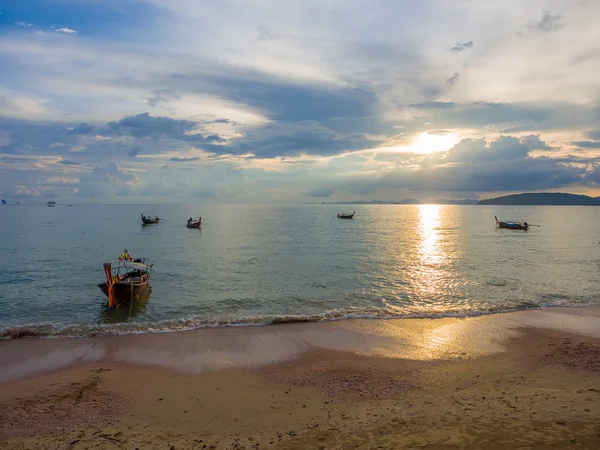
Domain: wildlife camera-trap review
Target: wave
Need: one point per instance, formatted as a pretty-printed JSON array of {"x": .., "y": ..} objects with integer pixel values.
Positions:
[{"x": 50, "y": 330}]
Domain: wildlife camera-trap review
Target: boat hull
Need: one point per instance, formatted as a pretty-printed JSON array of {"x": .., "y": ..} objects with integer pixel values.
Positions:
[
  {"x": 193, "y": 225},
  {"x": 126, "y": 292},
  {"x": 342, "y": 216},
  {"x": 513, "y": 227}
]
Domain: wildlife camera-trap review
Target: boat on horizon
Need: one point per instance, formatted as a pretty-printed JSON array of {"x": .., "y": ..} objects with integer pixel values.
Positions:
[
  {"x": 346, "y": 216},
  {"x": 149, "y": 220},
  {"x": 511, "y": 225},
  {"x": 128, "y": 281},
  {"x": 191, "y": 223},
  {"x": 51, "y": 203}
]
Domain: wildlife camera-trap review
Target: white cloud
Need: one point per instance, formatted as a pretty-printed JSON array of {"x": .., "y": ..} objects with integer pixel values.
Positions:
[{"x": 66, "y": 30}]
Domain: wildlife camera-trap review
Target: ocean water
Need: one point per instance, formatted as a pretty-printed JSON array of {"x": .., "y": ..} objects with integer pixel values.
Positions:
[{"x": 259, "y": 264}]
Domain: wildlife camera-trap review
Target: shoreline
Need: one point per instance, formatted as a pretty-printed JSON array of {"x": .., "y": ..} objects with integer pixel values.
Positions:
[
  {"x": 218, "y": 348},
  {"x": 86, "y": 330},
  {"x": 497, "y": 381}
]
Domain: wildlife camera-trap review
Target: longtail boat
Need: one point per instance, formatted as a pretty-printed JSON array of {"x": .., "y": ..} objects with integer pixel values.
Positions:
[
  {"x": 191, "y": 223},
  {"x": 345, "y": 216},
  {"x": 149, "y": 220},
  {"x": 511, "y": 225},
  {"x": 128, "y": 281}
]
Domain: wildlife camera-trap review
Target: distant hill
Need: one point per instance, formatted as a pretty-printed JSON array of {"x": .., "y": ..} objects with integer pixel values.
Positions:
[{"x": 543, "y": 198}]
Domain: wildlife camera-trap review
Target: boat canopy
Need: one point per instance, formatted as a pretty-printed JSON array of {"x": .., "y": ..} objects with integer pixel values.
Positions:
[{"x": 137, "y": 266}]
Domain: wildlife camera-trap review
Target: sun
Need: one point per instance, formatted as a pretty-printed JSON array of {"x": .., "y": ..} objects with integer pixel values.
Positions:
[{"x": 434, "y": 142}]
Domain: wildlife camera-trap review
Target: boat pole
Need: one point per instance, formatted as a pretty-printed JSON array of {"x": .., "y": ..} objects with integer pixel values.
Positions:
[{"x": 109, "y": 284}]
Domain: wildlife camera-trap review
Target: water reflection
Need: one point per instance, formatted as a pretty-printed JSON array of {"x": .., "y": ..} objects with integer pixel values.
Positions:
[
  {"x": 125, "y": 311},
  {"x": 430, "y": 278},
  {"x": 429, "y": 222}
]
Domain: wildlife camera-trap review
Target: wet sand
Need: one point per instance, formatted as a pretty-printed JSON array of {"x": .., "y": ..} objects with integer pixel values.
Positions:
[{"x": 517, "y": 380}]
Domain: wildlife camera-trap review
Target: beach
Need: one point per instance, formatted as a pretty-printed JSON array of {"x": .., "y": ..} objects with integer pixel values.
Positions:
[{"x": 528, "y": 379}]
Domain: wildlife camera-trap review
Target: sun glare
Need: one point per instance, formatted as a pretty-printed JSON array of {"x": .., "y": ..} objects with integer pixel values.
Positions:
[{"x": 430, "y": 142}]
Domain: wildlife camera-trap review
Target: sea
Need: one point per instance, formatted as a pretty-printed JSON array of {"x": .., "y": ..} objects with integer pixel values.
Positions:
[{"x": 253, "y": 265}]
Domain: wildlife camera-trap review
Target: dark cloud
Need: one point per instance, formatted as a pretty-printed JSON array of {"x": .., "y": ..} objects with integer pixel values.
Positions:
[
  {"x": 476, "y": 150},
  {"x": 453, "y": 79},
  {"x": 162, "y": 95},
  {"x": 184, "y": 159},
  {"x": 594, "y": 135},
  {"x": 284, "y": 102},
  {"x": 67, "y": 162},
  {"x": 320, "y": 192},
  {"x": 145, "y": 125},
  {"x": 434, "y": 105},
  {"x": 587, "y": 144},
  {"x": 296, "y": 139},
  {"x": 476, "y": 166},
  {"x": 461, "y": 46},
  {"x": 83, "y": 128},
  {"x": 512, "y": 175},
  {"x": 534, "y": 143},
  {"x": 362, "y": 189},
  {"x": 500, "y": 117},
  {"x": 550, "y": 22}
]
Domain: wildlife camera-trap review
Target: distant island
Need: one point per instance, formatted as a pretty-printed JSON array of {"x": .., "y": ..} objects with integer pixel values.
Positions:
[
  {"x": 4, "y": 202},
  {"x": 543, "y": 199}
]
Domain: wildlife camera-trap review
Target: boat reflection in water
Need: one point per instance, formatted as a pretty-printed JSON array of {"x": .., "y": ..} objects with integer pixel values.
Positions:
[{"x": 126, "y": 311}]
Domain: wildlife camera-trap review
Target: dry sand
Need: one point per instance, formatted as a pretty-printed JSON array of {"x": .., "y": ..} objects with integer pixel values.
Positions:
[{"x": 522, "y": 380}]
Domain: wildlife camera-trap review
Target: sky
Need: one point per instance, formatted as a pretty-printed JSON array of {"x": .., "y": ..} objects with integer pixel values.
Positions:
[{"x": 193, "y": 101}]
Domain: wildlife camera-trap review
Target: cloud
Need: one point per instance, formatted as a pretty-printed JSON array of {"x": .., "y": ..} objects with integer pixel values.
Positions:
[
  {"x": 108, "y": 181},
  {"x": 477, "y": 150},
  {"x": 320, "y": 192},
  {"x": 550, "y": 22},
  {"x": 587, "y": 144},
  {"x": 461, "y": 46},
  {"x": 265, "y": 34},
  {"x": 594, "y": 135},
  {"x": 62, "y": 181},
  {"x": 534, "y": 143},
  {"x": 453, "y": 79},
  {"x": 184, "y": 159},
  {"x": 83, "y": 128},
  {"x": 66, "y": 30},
  {"x": 145, "y": 125},
  {"x": 281, "y": 101}
]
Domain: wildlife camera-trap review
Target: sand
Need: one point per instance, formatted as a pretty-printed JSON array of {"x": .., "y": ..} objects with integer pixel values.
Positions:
[{"x": 519, "y": 380}]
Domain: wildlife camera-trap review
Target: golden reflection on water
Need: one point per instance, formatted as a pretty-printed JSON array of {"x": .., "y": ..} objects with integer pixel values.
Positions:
[
  {"x": 429, "y": 277},
  {"x": 429, "y": 222}
]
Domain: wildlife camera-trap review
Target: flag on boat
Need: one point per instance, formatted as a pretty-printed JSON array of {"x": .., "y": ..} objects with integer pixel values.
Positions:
[{"x": 125, "y": 256}]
